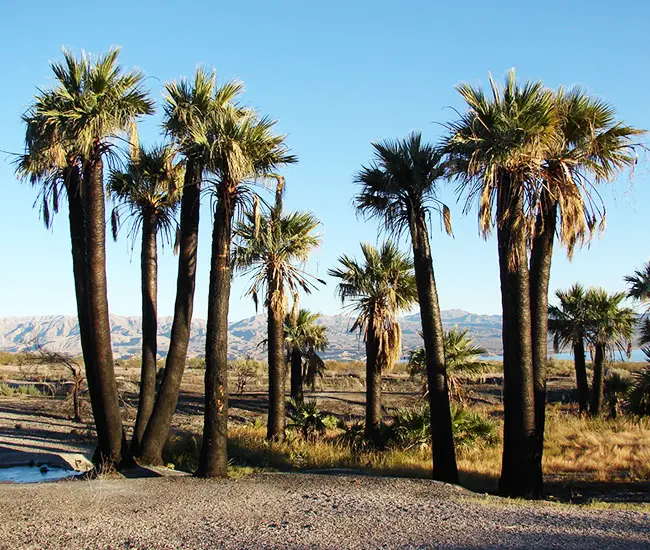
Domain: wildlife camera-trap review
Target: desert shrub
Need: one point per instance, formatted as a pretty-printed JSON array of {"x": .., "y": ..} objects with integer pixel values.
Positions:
[
  {"x": 30, "y": 389},
  {"x": 639, "y": 396},
  {"x": 245, "y": 371},
  {"x": 411, "y": 428},
  {"x": 181, "y": 451},
  {"x": 617, "y": 387},
  {"x": 196, "y": 363},
  {"x": 306, "y": 418}
]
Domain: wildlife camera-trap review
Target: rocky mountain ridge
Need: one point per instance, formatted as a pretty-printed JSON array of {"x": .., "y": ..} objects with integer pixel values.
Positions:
[{"x": 61, "y": 333}]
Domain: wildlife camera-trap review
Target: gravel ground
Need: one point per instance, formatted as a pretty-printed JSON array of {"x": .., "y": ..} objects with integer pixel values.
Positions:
[{"x": 297, "y": 511}]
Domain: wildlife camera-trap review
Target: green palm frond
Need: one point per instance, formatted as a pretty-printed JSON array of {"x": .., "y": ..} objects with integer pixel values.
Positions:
[
  {"x": 401, "y": 184},
  {"x": 150, "y": 185},
  {"x": 377, "y": 290},
  {"x": 276, "y": 249}
]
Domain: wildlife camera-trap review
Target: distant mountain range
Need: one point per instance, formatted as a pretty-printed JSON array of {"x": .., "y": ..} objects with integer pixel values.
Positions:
[{"x": 61, "y": 333}]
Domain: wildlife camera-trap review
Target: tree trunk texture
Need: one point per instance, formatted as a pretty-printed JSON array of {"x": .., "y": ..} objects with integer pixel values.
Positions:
[
  {"x": 521, "y": 475},
  {"x": 581, "y": 376},
  {"x": 540, "y": 272},
  {"x": 444, "y": 454},
  {"x": 79, "y": 269},
  {"x": 112, "y": 441},
  {"x": 214, "y": 453},
  {"x": 297, "y": 393},
  {"x": 276, "y": 418},
  {"x": 149, "y": 272},
  {"x": 598, "y": 385},
  {"x": 157, "y": 429},
  {"x": 373, "y": 389}
]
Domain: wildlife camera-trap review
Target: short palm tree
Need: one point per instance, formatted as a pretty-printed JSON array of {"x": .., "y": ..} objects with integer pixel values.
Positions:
[
  {"x": 400, "y": 189},
  {"x": 303, "y": 339},
  {"x": 147, "y": 192},
  {"x": 93, "y": 101},
  {"x": 639, "y": 289},
  {"x": 462, "y": 357},
  {"x": 272, "y": 250},
  {"x": 568, "y": 323},
  {"x": 496, "y": 151},
  {"x": 188, "y": 105},
  {"x": 243, "y": 148},
  {"x": 378, "y": 288},
  {"x": 611, "y": 328}
]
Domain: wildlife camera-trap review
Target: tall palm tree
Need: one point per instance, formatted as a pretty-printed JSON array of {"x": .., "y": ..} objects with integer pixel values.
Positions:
[
  {"x": 400, "y": 188},
  {"x": 92, "y": 102},
  {"x": 569, "y": 325},
  {"x": 378, "y": 288},
  {"x": 147, "y": 192},
  {"x": 611, "y": 328},
  {"x": 243, "y": 148},
  {"x": 462, "y": 358},
  {"x": 188, "y": 107},
  {"x": 303, "y": 339},
  {"x": 271, "y": 249},
  {"x": 592, "y": 147},
  {"x": 496, "y": 151},
  {"x": 639, "y": 289}
]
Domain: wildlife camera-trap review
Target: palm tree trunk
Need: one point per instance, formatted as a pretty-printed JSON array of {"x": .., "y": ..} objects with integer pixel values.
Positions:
[
  {"x": 598, "y": 385},
  {"x": 78, "y": 236},
  {"x": 581, "y": 376},
  {"x": 112, "y": 441},
  {"x": 540, "y": 272},
  {"x": 276, "y": 417},
  {"x": 157, "y": 429},
  {"x": 213, "y": 461},
  {"x": 295, "y": 358},
  {"x": 149, "y": 268},
  {"x": 521, "y": 474},
  {"x": 444, "y": 454},
  {"x": 373, "y": 389}
]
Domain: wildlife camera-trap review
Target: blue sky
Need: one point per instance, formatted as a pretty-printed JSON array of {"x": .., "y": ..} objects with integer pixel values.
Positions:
[{"x": 337, "y": 75}]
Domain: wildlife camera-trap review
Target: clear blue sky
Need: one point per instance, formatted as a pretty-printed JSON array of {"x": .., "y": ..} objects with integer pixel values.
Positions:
[{"x": 337, "y": 75}]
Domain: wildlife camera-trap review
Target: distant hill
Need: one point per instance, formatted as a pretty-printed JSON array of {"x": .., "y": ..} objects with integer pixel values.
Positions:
[{"x": 61, "y": 333}]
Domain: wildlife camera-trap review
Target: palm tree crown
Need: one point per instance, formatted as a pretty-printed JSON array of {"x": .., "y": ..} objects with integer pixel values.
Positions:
[
  {"x": 150, "y": 186},
  {"x": 272, "y": 249},
  {"x": 401, "y": 184}
]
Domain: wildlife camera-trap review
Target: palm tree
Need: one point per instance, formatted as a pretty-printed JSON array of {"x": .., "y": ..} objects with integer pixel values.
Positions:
[
  {"x": 611, "y": 328},
  {"x": 591, "y": 148},
  {"x": 569, "y": 325},
  {"x": 379, "y": 288},
  {"x": 303, "y": 338},
  {"x": 147, "y": 192},
  {"x": 93, "y": 102},
  {"x": 496, "y": 151},
  {"x": 400, "y": 188},
  {"x": 268, "y": 250},
  {"x": 639, "y": 284},
  {"x": 462, "y": 357},
  {"x": 243, "y": 148},
  {"x": 188, "y": 107}
]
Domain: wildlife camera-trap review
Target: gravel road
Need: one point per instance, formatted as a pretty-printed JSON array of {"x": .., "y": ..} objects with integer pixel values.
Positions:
[{"x": 298, "y": 511}]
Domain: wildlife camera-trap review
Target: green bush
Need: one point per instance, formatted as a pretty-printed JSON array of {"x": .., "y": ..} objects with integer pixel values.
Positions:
[
  {"x": 306, "y": 418},
  {"x": 617, "y": 388},
  {"x": 412, "y": 428},
  {"x": 639, "y": 397}
]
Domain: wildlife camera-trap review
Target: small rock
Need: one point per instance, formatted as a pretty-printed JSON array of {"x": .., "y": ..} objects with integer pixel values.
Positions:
[
  {"x": 18, "y": 426},
  {"x": 44, "y": 469}
]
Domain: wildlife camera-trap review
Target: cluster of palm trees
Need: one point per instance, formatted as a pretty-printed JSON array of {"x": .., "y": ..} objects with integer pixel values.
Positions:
[
  {"x": 596, "y": 319},
  {"x": 528, "y": 156}
]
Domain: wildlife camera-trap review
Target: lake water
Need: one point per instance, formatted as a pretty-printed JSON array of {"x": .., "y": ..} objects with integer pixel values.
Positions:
[
  {"x": 637, "y": 357},
  {"x": 33, "y": 474}
]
